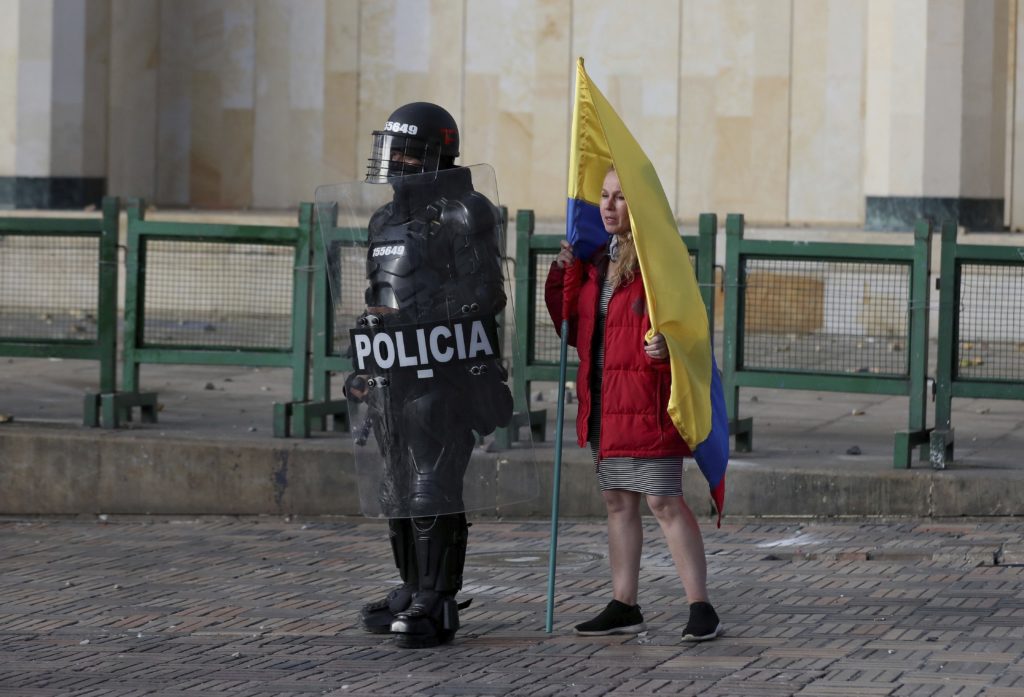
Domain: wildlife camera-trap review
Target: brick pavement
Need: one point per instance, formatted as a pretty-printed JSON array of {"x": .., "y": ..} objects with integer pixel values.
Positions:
[{"x": 256, "y": 607}]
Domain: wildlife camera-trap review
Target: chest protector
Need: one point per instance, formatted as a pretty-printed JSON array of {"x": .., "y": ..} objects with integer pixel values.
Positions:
[{"x": 399, "y": 271}]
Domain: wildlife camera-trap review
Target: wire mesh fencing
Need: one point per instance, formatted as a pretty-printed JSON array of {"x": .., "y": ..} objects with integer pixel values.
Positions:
[
  {"x": 825, "y": 316},
  {"x": 990, "y": 337},
  {"x": 49, "y": 287},
  {"x": 218, "y": 295}
]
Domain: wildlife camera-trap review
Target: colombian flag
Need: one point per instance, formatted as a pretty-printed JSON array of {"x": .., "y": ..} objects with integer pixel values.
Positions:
[{"x": 697, "y": 400}]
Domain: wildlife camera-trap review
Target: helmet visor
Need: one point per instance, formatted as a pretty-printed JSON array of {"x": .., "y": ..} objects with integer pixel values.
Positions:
[{"x": 395, "y": 156}]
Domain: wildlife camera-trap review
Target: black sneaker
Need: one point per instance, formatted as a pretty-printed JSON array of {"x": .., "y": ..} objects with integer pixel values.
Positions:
[
  {"x": 617, "y": 618},
  {"x": 703, "y": 625}
]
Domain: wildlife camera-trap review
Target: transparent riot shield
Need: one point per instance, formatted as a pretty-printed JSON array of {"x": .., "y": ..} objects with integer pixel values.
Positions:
[{"x": 420, "y": 292}]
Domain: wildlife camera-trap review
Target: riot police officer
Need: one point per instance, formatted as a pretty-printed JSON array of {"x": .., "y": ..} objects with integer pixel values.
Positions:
[{"x": 433, "y": 260}]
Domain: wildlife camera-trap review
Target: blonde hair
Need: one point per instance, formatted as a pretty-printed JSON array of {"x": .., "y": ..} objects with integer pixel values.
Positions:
[{"x": 628, "y": 262}]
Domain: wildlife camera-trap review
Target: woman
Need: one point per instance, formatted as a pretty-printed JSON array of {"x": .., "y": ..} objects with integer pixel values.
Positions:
[{"x": 623, "y": 386}]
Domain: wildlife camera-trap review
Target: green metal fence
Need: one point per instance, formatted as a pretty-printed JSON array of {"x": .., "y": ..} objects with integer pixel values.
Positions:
[
  {"x": 537, "y": 357},
  {"x": 215, "y": 294},
  {"x": 339, "y": 277},
  {"x": 828, "y": 316},
  {"x": 58, "y": 296},
  {"x": 798, "y": 315},
  {"x": 981, "y": 330}
]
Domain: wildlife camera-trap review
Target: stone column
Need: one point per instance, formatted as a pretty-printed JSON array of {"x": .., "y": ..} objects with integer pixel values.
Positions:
[
  {"x": 54, "y": 57},
  {"x": 935, "y": 122}
]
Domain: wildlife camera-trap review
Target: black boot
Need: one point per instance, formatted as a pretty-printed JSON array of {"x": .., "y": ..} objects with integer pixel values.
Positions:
[
  {"x": 432, "y": 616},
  {"x": 377, "y": 617}
]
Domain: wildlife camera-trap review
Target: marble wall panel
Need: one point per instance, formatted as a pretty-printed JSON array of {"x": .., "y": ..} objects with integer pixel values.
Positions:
[
  {"x": 221, "y": 86},
  {"x": 906, "y": 71},
  {"x": 174, "y": 97},
  {"x": 238, "y": 98},
  {"x": 237, "y": 54},
  {"x": 878, "y": 97},
  {"x": 640, "y": 83},
  {"x": 9, "y": 42},
  {"x": 207, "y": 139},
  {"x": 518, "y": 92},
  {"x": 1015, "y": 177},
  {"x": 295, "y": 95},
  {"x": 67, "y": 107},
  {"x": 134, "y": 64},
  {"x": 272, "y": 112},
  {"x": 236, "y": 159},
  {"x": 735, "y": 77},
  {"x": 204, "y": 80},
  {"x": 943, "y": 79},
  {"x": 984, "y": 98},
  {"x": 35, "y": 89},
  {"x": 827, "y": 121},
  {"x": 305, "y": 138},
  {"x": 307, "y": 42},
  {"x": 97, "y": 72},
  {"x": 699, "y": 138},
  {"x": 341, "y": 93}
]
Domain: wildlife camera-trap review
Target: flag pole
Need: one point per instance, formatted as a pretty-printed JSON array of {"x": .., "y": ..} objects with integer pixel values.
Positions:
[{"x": 557, "y": 481}]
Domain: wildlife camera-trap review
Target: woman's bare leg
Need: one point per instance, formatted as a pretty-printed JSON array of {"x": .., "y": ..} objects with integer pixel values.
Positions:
[
  {"x": 625, "y": 542},
  {"x": 685, "y": 542}
]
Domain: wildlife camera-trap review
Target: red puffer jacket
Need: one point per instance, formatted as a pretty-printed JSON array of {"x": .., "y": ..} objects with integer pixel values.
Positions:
[{"x": 634, "y": 388}]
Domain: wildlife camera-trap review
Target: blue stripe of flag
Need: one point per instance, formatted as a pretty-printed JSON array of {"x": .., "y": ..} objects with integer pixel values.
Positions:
[
  {"x": 712, "y": 454},
  {"x": 584, "y": 228}
]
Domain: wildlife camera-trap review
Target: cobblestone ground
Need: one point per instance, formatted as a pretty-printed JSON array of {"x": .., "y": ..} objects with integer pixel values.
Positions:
[{"x": 254, "y": 607}]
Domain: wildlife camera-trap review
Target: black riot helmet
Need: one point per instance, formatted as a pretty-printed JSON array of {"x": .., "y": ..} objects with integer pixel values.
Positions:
[{"x": 418, "y": 137}]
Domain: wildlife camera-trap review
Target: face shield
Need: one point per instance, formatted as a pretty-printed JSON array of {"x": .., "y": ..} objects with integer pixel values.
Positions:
[{"x": 394, "y": 155}]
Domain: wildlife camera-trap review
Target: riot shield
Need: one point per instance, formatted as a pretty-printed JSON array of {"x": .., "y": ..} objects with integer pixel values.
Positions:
[{"x": 419, "y": 291}]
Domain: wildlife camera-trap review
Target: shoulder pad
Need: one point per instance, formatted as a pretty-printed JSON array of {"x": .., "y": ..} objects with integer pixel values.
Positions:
[{"x": 470, "y": 213}]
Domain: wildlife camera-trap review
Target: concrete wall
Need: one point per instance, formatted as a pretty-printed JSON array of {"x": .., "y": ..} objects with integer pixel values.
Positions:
[{"x": 66, "y": 472}]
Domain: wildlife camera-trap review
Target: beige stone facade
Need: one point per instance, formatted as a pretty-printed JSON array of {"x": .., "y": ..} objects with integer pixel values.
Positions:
[{"x": 793, "y": 112}]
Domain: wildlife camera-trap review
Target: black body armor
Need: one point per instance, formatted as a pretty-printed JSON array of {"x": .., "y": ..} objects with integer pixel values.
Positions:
[{"x": 432, "y": 256}]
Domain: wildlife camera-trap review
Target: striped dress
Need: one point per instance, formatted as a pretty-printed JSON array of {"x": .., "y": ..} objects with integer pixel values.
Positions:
[{"x": 657, "y": 476}]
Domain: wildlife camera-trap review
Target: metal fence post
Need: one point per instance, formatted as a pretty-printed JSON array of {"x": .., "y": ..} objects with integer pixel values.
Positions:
[
  {"x": 286, "y": 422},
  {"x": 917, "y": 353},
  {"x": 742, "y": 430},
  {"x": 523, "y": 310},
  {"x": 118, "y": 404},
  {"x": 106, "y": 312},
  {"x": 106, "y": 316},
  {"x": 941, "y": 443},
  {"x": 707, "y": 227},
  {"x": 134, "y": 284}
]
